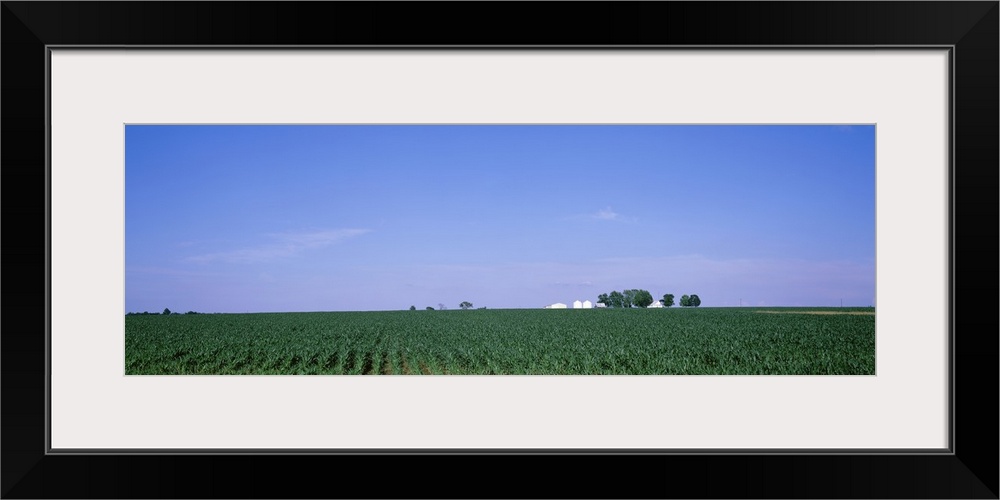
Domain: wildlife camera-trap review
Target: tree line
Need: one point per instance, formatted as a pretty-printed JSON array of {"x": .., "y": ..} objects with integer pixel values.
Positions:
[
  {"x": 466, "y": 305},
  {"x": 166, "y": 312},
  {"x": 642, "y": 298}
]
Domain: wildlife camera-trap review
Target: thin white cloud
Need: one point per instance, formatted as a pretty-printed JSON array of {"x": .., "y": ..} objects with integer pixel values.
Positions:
[
  {"x": 285, "y": 245},
  {"x": 313, "y": 239},
  {"x": 607, "y": 214},
  {"x": 604, "y": 214}
]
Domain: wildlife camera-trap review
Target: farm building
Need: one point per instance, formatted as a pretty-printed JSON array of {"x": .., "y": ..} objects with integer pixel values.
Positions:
[
  {"x": 557, "y": 305},
  {"x": 655, "y": 304},
  {"x": 588, "y": 304},
  {"x": 577, "y": 304}
]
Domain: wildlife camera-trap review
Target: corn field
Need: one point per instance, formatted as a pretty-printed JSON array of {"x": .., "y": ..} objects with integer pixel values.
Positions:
[{"x": 673, "y": 341}]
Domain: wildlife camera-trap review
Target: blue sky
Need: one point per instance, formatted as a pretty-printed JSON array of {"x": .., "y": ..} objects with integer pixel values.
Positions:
[{"x": 381, "y": 217}]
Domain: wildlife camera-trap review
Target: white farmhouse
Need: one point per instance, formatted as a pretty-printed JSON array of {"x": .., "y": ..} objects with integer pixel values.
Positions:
[
  {"x": 655, "y": 304},
  {"x": 577, "y": 304},
  {"x": 557, "y": 305}
]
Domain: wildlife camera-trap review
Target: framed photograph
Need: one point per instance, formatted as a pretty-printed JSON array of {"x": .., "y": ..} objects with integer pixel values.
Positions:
[{"x": 238, "y": 158}]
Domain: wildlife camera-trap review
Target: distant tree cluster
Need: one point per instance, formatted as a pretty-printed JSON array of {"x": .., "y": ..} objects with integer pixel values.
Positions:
[
  {"x": 642, "y": 298},
  {"x": 626, "y": 298},
  {"x": 466, "y": 305},
  {"x": 690, "y": 301}
]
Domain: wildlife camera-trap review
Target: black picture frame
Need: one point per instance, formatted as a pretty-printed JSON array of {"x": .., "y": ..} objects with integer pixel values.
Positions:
[{"x": 969, "y": 28}]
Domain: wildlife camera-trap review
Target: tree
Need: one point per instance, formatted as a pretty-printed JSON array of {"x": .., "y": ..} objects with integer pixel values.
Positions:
[
  {"x": 667, "y": 300},
  {"x": 616, "y": 299},
  {"x": 685, "y": 301},
  {"x": 465, "y": 305},
  {"x": 629, "y": 297},
  {"x": 642, "y": 298},
  {"x": 166, "y": 311},
  {"x": 695, "y": 301},
  {"x": 441, "y": 307},
  {"x": 413, "y": 308},
  {"x": 429, "y": 308},
  {"x": 632, "y": 297}
]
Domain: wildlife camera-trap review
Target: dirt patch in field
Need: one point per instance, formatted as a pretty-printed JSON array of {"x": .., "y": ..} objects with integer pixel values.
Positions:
[
  {"x": 424, "y": 369},
  {"x": 368, "y": 365},
  {"x": 852, "y": 313},
  {"x": 331, "y": 361},
  {"x": 386, "y": 364},
  {"x": 406, "y": 365}
]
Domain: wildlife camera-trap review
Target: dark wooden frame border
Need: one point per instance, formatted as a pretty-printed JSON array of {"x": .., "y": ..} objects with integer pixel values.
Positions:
[{"x": 969, "y": 28}]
